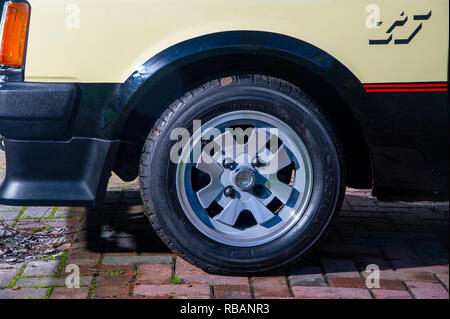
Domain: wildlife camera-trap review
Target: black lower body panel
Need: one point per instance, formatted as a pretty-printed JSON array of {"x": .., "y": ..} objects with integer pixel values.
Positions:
[
  {"x": 408, "y": 138},
  {"x": 37, "y": 111},
  {"x": 43, "y": 173}
]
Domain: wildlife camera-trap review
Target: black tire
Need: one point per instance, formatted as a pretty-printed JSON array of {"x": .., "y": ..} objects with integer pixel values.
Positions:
[{"x": 280, "y": 99}]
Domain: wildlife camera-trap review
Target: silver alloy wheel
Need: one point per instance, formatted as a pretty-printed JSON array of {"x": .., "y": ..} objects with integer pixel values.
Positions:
[{"x": 243, "y": 179}]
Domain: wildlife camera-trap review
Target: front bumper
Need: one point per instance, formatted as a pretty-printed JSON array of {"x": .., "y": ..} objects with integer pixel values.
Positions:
[
  {"x": 44, "y": 173},
  {"x": 37, "y": 110},
  {"x": 45, "y": 165}
]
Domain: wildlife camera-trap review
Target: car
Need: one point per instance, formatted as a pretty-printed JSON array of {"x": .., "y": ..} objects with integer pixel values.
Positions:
[{"x": 244, "y": 121}]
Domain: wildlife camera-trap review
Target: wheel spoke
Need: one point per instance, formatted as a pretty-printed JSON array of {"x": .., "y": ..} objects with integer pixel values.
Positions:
[
  {"x": 256, "y": 142},
  {"x": 228, "y": 144},
  {"x": 260, "y": 212},
  {"x": 208, "y": 165},
  {"x": 281, "y": 190},
  {"x": 277, "y": 162},
  {"x": 230, "y": 213},
  {"x": 209, "y": 193},
  {"x": 232, "y": 149}
]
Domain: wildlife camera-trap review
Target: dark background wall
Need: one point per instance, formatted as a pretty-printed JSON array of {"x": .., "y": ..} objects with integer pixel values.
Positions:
[{"x": 2, "y": 2}]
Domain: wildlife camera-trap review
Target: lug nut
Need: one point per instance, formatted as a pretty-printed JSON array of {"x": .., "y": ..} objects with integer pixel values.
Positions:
[
  {"x": 259, "y": 190},
  {"x": 257, "y": 162},
  {"x": 229, "y": 192},
  {"x": 228, "y": 163}
]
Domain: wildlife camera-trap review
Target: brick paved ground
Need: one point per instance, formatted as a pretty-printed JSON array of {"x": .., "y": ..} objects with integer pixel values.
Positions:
[{"x": 120, "y": 256}]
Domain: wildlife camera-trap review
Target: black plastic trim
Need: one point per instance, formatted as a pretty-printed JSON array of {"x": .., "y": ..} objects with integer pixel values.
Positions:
[
  {"x": 42, "y": 173},
  {"x": 10, "y": 74},
  {"x": 36, "y": 110}
]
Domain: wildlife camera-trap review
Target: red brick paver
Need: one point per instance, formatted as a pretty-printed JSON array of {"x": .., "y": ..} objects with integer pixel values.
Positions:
[
  {"x": 361, "y": 283},
  {"x": 154, "y": 274},
  {"x": 270, "y": 287},
  {"x": 406, "y": 276},
  {"x": 194, "y": 290},
  {"x": 391, "y": 294},
  {"x": 70, "y": 293},
  {"x": 113, "y": 286},
  {"x": 444, "y": 279},
  {"x": 333, "y": 293},
  {"x": 192, "y": 274},
  {"x": 232, "y": 292},
  {"x": 427, "y": 290}
]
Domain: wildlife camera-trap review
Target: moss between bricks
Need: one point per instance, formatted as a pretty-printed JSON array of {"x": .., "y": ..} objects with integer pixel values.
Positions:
[
  {"x": 63, "y": 259},
  {"x": 63, "y": 262},
  {"x": 24, "y": 208},
  {"x": 52, "y": 214},
  {"x": 38, "y": 229},
  {"x": 44, "y": 286},
  {"x": 92, "y": 288},
  {"x": 38, "y": 276},
  {"x": 49, "y": 258},
  {"x": 20, "y": 272},
  {"x": 13, "y": 282},
  {"x": 100, "y": 259},
  {"x": 175, "y": 280},
  {"x": 49, "y": 292}
]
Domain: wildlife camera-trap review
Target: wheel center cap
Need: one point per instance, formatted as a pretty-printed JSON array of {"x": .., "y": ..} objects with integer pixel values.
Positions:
[{"x": 245, "y": 179}]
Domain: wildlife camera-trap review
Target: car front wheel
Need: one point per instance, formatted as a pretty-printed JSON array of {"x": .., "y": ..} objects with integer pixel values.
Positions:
[{"x": 242, "y": 175}]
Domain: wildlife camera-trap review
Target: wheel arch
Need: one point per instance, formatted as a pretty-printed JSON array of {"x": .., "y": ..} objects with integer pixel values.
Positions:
[{"x": 180, "y": 68}]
